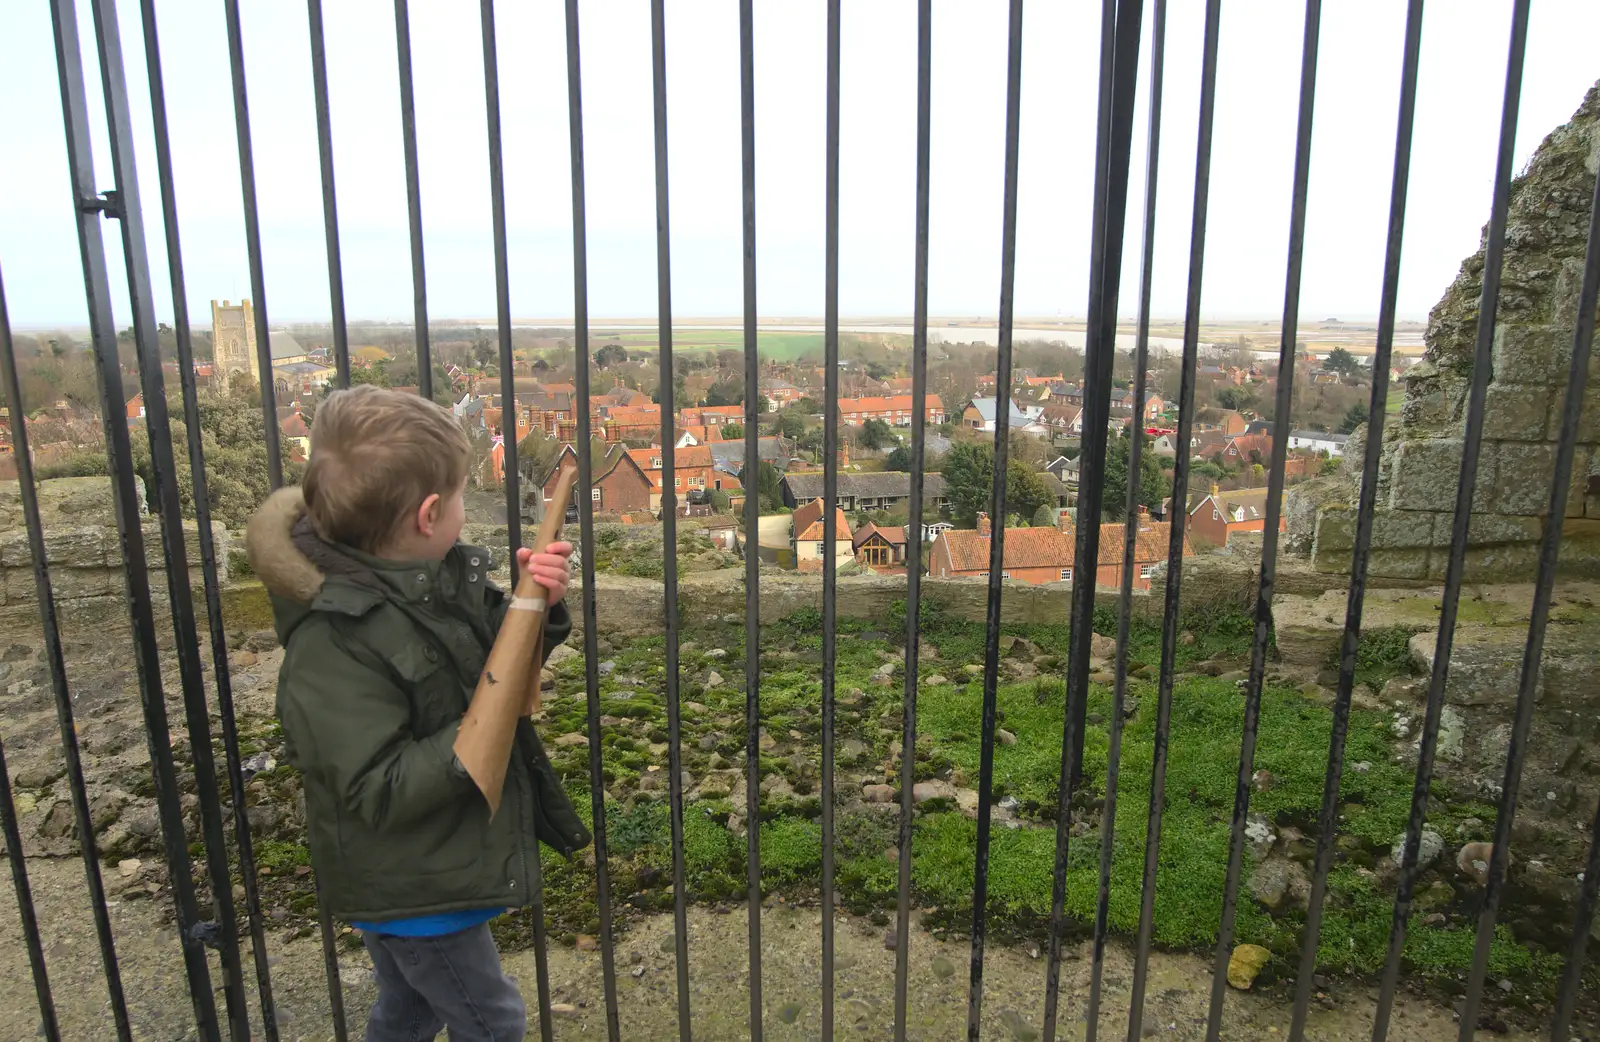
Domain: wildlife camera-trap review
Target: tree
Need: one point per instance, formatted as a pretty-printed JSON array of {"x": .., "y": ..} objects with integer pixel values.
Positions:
[
  {"x": 725, "y": 392},
  {"x": 875, "y": 434},
  {"x": 969, "y": 484},
  {"x": 732, "y": 431},
  {"x": 899, "y": 458},
  {"x": 1355, "y": 416},
  {"x": 1342, "y": 362},
  {"x": 1154, "y": 485},
  {"x": 610, "y": 355},
  {"x": 768, "y": 486},
  {"x": 1044, "y": 517},
  {"x": 790, "y": 424},
  {"x": 1236, "y": 398}
]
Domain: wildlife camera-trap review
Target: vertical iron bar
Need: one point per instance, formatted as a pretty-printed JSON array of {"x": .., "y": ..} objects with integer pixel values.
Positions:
[
  {"x": 1282, "y": 425},
  {"x": 919, "y": 400},
  {"x": 408, "y": 135},
  {"x": 1578, "y": 373},
  {"x": 669, "y": 510},
  {"x": 591, "y": 652},
  {"x": 1130, "y": 536},
  {"x": 252, "y": 241},
  {"x": 48, "y": 1025},
  {"x": 1488, "y": 305},
  {"x": 1177, "y": 517},
  {"x": 997, "y": 515},
  {"x": 330, "y": 213},
  {"x": 126, "y": 502},
  {"x": 202, "y": 513},
  {"x": 508, "y": 414},
  {"x": 1327, "y": 819},
  {"x": 1533, "y": 652},
  {"x": 830, "y": 499},
  {"x": 1118, "y": 87},
  {"x": 58, "y": 681},
  {"x": 752, "y": 511},
  {"x": 164, "y": 467}
]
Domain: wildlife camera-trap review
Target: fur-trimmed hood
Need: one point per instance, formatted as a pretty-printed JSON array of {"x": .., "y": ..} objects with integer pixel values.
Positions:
[{"x": 293, "y": 562}]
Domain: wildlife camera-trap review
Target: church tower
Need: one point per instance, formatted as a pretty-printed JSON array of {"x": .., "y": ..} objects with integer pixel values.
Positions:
[{"x": 233, "y": 343}]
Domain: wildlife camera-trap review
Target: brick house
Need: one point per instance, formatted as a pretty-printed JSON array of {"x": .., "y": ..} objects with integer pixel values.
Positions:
[
  {"x": 1046, "y": 555},
  {"x": 1248, "y": 448},
  {"x": 617, "y": 482},
  {"x": 895, "y": 410},
  {"x": 693, "y": 470},
  {"x": 1220, "y": 514}
]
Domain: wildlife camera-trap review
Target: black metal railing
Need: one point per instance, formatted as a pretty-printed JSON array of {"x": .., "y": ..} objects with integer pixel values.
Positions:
[{"x": 216, "y": 929}]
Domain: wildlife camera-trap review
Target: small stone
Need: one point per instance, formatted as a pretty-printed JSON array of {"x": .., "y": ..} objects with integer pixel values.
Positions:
[
  {"x": 1246, "y": 964},
  {"x": 767, "y": 743},
  {"x": 1004, "y": 737},
  {"x": 638, "y": 971},
  {"x": 1452, "y": 735},
  {"x": 878, "y": 793},
  {"x": 887, "y": 669},
  {"x": 571, "y": 739},
  {"x": 696, "y": 707},
  {"x": 1102, "y": 647},
  {"x": 717, "y": 654},
  {"x": 709, "y": 742},
  {"x": 1473, "y": 861},
  {"x": 129, "y": 867},
  {"x": 1186, "y": 638},
  {"x": 973, "y": 669},
  {"x": 943, "y": 968},
  {"x": 607, "y": 668},
  {"x": 1429, "y": 846},
  {"x": 924, "y": 791},
  {"x": 936, "y": 680},
  {"x": 1505, "y": 986},
  {"x": 563, "y": 1009},
  {"x": 586, "y": 943},
  {"x": 714, "y": 679},
  {"x": 789, "y": 1012},
  {"x": 1262, "y": 780},
  {"x": 890, "y": 940}
]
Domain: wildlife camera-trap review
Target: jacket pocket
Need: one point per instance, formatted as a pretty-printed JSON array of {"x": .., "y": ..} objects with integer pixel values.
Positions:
[{"x": 430, "y": 682}]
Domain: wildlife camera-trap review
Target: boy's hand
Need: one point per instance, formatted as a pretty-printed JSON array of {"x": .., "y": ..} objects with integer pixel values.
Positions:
[{"x": 553, "y": 568}]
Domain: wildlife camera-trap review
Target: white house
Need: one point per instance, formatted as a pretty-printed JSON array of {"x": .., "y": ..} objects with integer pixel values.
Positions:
[{"x": 1318, "y": 441}]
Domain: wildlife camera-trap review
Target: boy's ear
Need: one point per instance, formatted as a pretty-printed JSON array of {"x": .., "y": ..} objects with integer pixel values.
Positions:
[{"x": 428, "y": 514}]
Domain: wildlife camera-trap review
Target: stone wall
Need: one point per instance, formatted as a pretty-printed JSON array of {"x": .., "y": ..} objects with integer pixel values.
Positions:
[
  {"x": 1418, "y": 476},
  {"x": 84, "y": 552}
]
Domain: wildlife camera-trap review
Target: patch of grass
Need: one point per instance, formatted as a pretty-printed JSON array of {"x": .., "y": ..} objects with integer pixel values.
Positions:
[
  {"x": 281, "y": 856},
  {"x": 1381, "y": 654}
]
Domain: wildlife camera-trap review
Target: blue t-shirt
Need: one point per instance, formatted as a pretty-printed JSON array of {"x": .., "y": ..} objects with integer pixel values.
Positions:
[{"x": 431, "y": 925}]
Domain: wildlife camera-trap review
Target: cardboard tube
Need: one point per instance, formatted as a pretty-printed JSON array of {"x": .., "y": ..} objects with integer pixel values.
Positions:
[{"x": 488, "y": 731}]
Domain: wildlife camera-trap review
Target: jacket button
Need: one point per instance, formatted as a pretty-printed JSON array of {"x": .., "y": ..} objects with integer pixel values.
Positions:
[
  {"x": 473, "y": 577},
  {"x": 513, "y": 884},
  {"x": 422, "y": 577},
  {"x": 474, "y": 562},
  {"x": 430, "y": 654}
]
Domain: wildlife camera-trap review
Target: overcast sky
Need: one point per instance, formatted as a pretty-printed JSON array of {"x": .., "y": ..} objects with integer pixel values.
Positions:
[{"x": 1463, "y": 69}]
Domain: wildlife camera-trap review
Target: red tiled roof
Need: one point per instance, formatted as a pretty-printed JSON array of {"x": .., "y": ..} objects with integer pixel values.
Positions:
[
  {"x": 895, "y": 403},
  {"x": 808, "y": 522},
  {"x": 1055, "y": 547}
]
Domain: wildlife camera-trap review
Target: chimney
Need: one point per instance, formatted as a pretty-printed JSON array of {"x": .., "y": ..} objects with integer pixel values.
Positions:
[
  {"x": 1214, "y": 489},
  {"x": 1144, "y": 511},
  {"x": 983, "y": 525}
]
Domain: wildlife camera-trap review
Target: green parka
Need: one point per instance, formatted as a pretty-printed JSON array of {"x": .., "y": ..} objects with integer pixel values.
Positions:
[{"x": 381, "y": 659}]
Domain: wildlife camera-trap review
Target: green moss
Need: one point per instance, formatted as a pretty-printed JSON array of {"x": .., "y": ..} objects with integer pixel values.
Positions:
[
  {"x": 280, "y": 856},
  {"x": 1381, "y": 654}
]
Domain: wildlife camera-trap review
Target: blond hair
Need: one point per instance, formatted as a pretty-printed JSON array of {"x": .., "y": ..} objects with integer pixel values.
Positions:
[{"x": 376, "y": 454}]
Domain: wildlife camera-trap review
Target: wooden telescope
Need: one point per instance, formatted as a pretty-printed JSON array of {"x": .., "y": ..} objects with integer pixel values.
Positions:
[{"x": 509, "y": 687}]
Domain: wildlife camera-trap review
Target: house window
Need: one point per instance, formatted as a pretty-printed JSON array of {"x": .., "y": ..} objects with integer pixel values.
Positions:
[
  {"x": 1005, "y": 575},
  {"x": 655, "y": 462},
  {"x": 594, "y": 495},
  {"x": 1066, "y": 575},
  {"x": 1146, "y": 571},
  {"x": 677, "y": 482}
]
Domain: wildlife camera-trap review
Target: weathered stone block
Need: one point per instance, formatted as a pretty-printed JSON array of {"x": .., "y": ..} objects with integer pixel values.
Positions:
[
  {"x": 1335, "y": 531},
  {"x": 65, "y": 584},
  {"x": 1399, "y": 564},
  {"x": 65, "y": 502},
  {"x": 1532, "y": 354},
  {"x": 1525, "y": 473},
  {"x": 1496, "y": 529},
  {"x": 1516, "y": 412},
  {"x": 63, "y": 547},
  {"x": 1427, "y": 472},
  {"x": 1564, "y": 304},
  {"x": 1485, "y": 564},
  {"x": 156, "y": 560},
  {"x": 1405, "y": 529},
  {"x": 1588, "y": 419}
]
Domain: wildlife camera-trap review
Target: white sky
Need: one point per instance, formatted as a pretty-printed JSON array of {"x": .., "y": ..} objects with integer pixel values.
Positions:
[{"x": 1463, "y": 68}]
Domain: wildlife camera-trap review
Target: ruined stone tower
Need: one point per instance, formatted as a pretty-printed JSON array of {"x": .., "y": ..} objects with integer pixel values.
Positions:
[
  {"x": 1546, "y": 232},
  {"x": 233, "y": 338}
]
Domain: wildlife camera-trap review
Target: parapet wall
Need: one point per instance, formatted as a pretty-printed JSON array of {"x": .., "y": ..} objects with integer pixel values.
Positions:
[{"x": 1419, "y": 473}]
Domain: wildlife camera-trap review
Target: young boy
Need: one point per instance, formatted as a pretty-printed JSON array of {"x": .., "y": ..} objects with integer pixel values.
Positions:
[{"x": 386, "y": 621}]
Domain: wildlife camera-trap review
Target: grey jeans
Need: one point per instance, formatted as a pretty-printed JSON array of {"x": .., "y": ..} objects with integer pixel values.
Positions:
[{"x": 426, "y": 984}]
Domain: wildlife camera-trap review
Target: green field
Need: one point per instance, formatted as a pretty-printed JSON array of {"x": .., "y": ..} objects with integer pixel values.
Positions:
[{"x": 777, "y": 346}]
